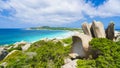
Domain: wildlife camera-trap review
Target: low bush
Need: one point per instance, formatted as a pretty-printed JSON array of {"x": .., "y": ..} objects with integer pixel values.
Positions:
[
  {"x": 108, "y": 56},
  {"x": 48, "y": 55},
  {"x": 68, "y": 40}
]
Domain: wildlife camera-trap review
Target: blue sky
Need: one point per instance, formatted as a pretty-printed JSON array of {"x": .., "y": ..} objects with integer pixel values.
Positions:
[{"x": 65, "y": 13}]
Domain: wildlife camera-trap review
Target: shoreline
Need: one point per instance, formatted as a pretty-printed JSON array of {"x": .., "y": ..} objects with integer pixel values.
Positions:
[
  {"x": 61, "y": 36},
  {"x": 64, "y": 36}
]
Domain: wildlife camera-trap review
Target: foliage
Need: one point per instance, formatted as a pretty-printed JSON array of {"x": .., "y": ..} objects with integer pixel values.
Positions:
[
  {"x": 67, "y": 40},
  {"x": 49, "y": 55},
  {"x": 15, "y": 60},
  {"x": 118, "y": 42},
  {"x": 86, "y": 64},
  {"x": 108, "y": 54}
]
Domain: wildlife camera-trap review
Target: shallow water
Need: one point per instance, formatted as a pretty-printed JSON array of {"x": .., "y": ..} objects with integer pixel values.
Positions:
[{"x": 9, "y": 36}]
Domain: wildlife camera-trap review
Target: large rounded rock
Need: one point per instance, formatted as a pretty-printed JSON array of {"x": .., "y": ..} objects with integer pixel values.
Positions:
[
  {"x": 80, "y": 46},
  {"x": 110, "y": 31},
  {"x": 97, "y": 30},
  {"x": 86, "y": 29}
]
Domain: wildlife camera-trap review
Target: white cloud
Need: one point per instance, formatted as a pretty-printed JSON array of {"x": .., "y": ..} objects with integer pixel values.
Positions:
[
  {"x": 110, "y": 8},
  {"x": 59, "y": 11}
]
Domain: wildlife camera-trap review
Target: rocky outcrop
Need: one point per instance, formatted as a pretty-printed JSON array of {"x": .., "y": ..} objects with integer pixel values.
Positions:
[
  {"x": 80, "y": 46},
  {"x": 25, "y": 47},
  {"x": 86, "y": 29},
  {"x": 97, "y": 30},
  {"x": 110, "y": 31},
  {"x": 17, "y": 44},
  {"x": 3, "y": 53},
  {"x": 117, "y": 36},
  {"x": 10, "y": 53},
  {"x": 3, "y": 65}
]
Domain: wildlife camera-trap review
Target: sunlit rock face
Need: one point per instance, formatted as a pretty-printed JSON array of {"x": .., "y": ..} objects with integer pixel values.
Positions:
[
  {"x": 86, "y": 28},
  {"x": 80, "y": 46},
  {"x": 117, "y": 36},
  {"x": 110, "y": 33},
  {"x": 97, "y": 30}
]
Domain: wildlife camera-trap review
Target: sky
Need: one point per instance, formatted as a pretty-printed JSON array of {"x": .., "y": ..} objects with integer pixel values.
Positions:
[{"x": 57, "y": 13}]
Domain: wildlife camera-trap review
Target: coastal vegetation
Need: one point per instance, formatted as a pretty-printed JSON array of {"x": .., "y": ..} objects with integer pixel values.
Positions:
[
  {"x": 43, "y": 54},
  {"x": 51, "y": 54},
  {"x": 107, "y": 55}
]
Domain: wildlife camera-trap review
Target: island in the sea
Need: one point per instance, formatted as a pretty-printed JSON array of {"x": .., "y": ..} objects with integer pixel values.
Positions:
[{"x": 53, "y": 28}]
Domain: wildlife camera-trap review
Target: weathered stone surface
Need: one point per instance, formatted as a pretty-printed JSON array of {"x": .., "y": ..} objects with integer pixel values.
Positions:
[
  {"x": 80, "y": 46},
  {"x": 97, "y": 30},
  {"x": 25, "y": 47},
  {"x": 67, "y": 60},
  {"x": 3, "y": 53},
  {"x": 10, "y": 53},
  {"x": 110, "y": 31},
  {"x": 117, "y": 36},
  {"x": 86, "y": 29},
  {"x": 19, "y": 43},
  {"x": 3, "y": 65},
  {"x": 72, "y": 64}
]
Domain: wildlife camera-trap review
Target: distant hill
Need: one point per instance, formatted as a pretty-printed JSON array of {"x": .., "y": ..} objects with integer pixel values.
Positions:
[{"x": 53, "y": 28}]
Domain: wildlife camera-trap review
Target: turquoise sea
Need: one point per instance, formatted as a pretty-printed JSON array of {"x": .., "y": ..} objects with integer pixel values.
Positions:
[{"x": 10, "y": 36}]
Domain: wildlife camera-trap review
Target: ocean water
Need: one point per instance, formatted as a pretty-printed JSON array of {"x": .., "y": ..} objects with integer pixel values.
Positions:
[
  {"x": 117, "y": 30},
  {"x": 10, "y": 36}
]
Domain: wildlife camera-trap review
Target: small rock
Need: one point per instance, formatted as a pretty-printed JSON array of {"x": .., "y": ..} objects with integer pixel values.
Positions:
[
  {"x": 3, "y": 53},
  {"x": 3, "y": 65},
  {"x": 25, "y": 47},
  {"x": 67, "y": 60},
  {"x": 72, "y": 64},
  {"x": 19, "y": 43}
]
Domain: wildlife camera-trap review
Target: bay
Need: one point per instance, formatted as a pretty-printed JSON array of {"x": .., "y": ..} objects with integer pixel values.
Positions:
[{"x": 10, "y": 36}]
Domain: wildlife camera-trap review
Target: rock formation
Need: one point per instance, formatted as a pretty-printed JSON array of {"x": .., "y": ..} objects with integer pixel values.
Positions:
[
  {"x": 97, "y": 30},
  {"x": 110, "y": 33},
  {"x": 86, "y": 29},
  {"x": 25, "y": 47},
  {"x": 3, "y": 53},
  {"x": 117, "y": 36},
  {"x": 80, "y": 46}
]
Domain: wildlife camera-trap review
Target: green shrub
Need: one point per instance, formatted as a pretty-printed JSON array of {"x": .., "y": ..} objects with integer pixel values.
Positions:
[
  {"x": 86, "y": 64},
  {"x": 67, "y": 41},
  {"x": 49, "y": 55},
  {"x": 15, "y": 60},
  {"x": 108, "y": 53}
]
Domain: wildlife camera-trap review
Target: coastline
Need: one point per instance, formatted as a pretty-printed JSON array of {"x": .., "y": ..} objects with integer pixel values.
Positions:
[{"x": 58, "y": 36}]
